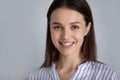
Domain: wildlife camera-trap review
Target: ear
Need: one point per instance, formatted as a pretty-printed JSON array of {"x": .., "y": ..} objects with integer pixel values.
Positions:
[{"x": 87, "y": 29}]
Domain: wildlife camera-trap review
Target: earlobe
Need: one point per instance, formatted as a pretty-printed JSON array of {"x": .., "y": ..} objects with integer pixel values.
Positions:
[{"x": 87, "y": 28}]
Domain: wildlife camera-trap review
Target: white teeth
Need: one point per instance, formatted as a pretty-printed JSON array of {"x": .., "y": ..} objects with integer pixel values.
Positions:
[{"x": 67, "y": 44}]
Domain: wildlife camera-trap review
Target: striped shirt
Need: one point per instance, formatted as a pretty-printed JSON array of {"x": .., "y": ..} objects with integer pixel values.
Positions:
[{"x": 89, "y": 70}]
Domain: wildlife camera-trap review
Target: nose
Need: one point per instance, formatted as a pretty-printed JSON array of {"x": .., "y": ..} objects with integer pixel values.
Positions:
[{"x": 66, "y": 34}]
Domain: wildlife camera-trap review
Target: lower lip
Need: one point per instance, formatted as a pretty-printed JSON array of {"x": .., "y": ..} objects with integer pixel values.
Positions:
[{"x": 67, "y": 46}]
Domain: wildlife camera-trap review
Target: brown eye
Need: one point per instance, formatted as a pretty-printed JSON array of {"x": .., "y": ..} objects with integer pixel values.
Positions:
[
  {"x": 57, "y": 27},
  {"x": 75, "y": 27}
]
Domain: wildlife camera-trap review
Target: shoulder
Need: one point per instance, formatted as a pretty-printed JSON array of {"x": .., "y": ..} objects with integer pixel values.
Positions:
[
  {"x": 100, "y": 66},
  {"x": 39, "y": 74},
  {"x": 99, "y": 70},
  {"x": 105, "y": 71}
]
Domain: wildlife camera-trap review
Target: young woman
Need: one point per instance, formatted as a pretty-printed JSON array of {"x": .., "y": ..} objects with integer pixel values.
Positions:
[{"x": 70, "y": 46}]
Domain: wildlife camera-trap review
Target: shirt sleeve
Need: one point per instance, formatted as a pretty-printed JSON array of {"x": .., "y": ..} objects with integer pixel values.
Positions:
[{"x": 114, "y": 76}]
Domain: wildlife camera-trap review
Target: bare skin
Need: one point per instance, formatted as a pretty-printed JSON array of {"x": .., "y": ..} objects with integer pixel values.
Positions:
[{"x": 66, "y": 67}]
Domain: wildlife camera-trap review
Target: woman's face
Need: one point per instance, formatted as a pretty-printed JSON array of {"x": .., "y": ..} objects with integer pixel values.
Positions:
[{"x": 68, "y": 29}]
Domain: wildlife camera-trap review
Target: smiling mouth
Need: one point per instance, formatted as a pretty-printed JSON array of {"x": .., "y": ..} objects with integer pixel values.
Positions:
[{"x": 67, "y": 44}]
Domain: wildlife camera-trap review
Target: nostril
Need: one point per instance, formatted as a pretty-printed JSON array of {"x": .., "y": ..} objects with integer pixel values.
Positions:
[
  {"x": 65, "y": 37},
  {"x": 66, "y": 34}
]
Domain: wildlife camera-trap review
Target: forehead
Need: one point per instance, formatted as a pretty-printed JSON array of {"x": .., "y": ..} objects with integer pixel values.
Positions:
[{"x": 66, "y": 15}]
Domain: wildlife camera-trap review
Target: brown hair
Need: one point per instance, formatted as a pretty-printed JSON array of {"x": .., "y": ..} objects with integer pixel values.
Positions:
[{"x": 89, "y": 45}]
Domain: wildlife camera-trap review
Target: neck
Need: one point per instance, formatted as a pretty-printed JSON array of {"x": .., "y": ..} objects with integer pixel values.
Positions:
[{"x": 68, "y": 62}]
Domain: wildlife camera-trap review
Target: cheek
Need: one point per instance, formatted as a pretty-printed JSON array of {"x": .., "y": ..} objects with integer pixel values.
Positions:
[
  {"x": 80, "y": 37},
  {"x": 54, "y": 36}
]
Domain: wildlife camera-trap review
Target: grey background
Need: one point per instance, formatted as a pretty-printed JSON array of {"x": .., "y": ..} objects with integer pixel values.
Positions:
[{"x": 23, "y": 33}]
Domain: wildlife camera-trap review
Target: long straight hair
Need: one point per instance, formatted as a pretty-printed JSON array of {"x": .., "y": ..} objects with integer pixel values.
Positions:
[{"x": 88, "y": 48}]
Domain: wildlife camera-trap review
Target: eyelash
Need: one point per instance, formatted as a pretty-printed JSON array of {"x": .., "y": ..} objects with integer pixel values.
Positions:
[
  {"x": 57, "y": 27},
  {"x": 75, "y": 27}
]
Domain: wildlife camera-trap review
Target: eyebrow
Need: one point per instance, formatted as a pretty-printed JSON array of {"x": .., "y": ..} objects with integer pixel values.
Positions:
[
  {"x": 76, "y": 22},
  {"x": 56, "y": 23},
  {"x": 72, "y": 23}
]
